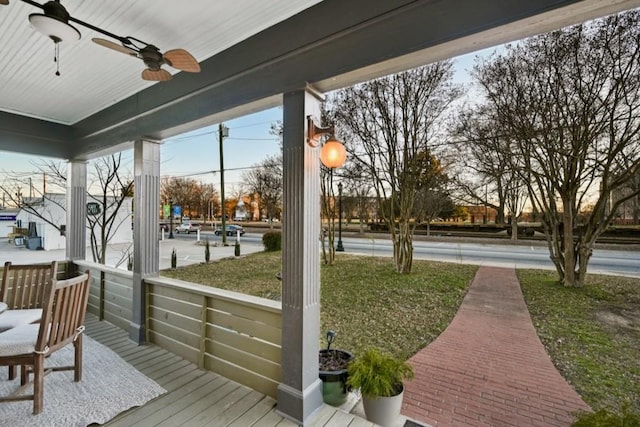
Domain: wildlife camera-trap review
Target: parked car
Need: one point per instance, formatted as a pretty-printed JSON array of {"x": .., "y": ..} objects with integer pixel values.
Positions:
[
  {"x": 232, "y": 229},
  {"x": 187, "y": 227}
]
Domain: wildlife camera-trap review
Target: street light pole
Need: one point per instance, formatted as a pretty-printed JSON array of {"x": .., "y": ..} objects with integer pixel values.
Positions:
[
  {"x": 171, "y": 218},
  {"x": 223, "y": 132},
  {"x": 339, "y": 247}
]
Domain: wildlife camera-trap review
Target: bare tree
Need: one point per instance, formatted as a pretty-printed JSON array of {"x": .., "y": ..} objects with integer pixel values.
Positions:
[
  {"x": 484, "y": 159},
  {"x": 515, "y": 190},
  {"x": 265, "y": 181},
  {"x": 109, "y": 186},
  {"x": 194, "y": 197},
  {"x": 114, "y": 190},
  {"x": 390, "y": 124},
  {"x": 328, "y": 211},
  {"x": 431, "y": 195},
  {"x": 208, "y": 200},
  {"x": 570, "y": 102},
  {"x": 358, "y": 187}
]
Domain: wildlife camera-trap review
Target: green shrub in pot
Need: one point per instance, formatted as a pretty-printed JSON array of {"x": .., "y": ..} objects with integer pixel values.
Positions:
[{"x": 379, "y": 376}]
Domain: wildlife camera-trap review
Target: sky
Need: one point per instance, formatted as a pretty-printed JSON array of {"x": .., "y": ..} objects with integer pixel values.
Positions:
[{"x": 196, "y": 154}]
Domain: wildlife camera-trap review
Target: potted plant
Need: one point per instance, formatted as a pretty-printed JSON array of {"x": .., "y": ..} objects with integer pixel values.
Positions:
[
  {"x": 333, "y": 372},
  {"x": 379, "y": 377}
]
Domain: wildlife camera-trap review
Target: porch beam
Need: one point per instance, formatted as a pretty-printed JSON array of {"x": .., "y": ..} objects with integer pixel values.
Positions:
[
  {"x": 300, "y": 392},
  {"x": 332, "y": 44}
]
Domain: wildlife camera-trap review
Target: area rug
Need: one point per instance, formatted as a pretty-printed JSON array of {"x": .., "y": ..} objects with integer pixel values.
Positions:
[{"x": 109, "y": 386}]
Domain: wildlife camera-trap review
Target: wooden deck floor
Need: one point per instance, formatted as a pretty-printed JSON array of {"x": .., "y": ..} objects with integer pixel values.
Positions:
[{"x": 196, "y": 397}]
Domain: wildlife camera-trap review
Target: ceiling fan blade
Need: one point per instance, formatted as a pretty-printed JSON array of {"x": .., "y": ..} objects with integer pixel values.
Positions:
[
  {"x": 156, "y": 76},
  {"x": 115, "y": 46},
  {"x": 4, "y": 1},
  {"x": 182, "y": 60}
]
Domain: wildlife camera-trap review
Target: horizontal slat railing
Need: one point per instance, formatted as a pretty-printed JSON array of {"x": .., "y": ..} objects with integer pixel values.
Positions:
[
  {"x": 235, "y": 335},
  {"x": 110, "y": 300}
]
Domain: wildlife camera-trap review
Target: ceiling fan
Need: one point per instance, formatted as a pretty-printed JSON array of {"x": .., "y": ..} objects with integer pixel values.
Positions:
[
  {"x": 54, "y": 23},
  {"x": 179, "y": 59}
]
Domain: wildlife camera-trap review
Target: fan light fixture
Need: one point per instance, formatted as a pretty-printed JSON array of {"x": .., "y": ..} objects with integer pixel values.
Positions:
[
  {"x": 333, "y": 154},
  {"x": 54, "y": 23}
]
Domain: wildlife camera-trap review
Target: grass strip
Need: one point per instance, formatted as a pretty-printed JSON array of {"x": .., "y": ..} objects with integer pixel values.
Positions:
[{"x": 592, "y": 334}]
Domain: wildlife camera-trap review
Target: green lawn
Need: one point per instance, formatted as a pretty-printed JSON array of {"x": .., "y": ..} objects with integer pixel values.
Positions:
[{"x": 592, "y": 333}]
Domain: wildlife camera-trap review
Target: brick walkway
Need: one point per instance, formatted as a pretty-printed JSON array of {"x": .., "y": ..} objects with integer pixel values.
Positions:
[{"x": 488, "y": 368}]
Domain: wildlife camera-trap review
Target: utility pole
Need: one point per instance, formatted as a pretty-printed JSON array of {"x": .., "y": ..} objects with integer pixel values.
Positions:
[{"x": 223, "y": 132}]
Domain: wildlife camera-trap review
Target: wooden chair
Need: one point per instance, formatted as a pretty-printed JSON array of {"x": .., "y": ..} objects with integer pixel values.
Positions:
[
  {"x": 22, "y": 290},
  {"x": 62, "y": 323}
]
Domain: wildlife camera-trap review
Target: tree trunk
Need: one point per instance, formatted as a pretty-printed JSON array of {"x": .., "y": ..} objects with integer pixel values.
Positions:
[
  {"x": 584, "y": 254},
  {"x": 403, "y": 249},
  {"x": 500, "y": 211},
  {"x": 569, "y": 252},
  {"x": 514, "y": 228},
  {"x": 324, "y": 247},
  {"x": 554, "y": 234}
]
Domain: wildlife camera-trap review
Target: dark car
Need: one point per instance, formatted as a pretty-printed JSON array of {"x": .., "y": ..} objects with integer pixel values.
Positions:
[{"x": 232, "y": 229}]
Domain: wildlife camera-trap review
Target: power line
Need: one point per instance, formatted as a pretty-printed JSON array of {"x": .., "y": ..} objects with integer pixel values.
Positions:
[
  {"x": 208, "y": 172},
  {"x": 215, "y": 131}
]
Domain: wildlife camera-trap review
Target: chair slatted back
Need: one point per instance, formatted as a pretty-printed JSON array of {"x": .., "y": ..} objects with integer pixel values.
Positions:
[
  {"x": 23, "y": 286},
  {"x": 64, "y": 312}
]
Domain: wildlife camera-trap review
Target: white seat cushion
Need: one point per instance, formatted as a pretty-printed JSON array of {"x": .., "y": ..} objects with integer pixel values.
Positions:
[
  {"x": 14, "y": 318},
  {"x": 19, "y": 340}
]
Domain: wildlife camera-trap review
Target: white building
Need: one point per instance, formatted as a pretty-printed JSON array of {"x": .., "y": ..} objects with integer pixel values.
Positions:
[
  {"x": 7, "y": 221},
  {"x": 51, "y": 209}
]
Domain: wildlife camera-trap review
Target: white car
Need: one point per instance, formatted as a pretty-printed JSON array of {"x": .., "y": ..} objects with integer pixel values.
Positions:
[{"x": 187, "y": 227}]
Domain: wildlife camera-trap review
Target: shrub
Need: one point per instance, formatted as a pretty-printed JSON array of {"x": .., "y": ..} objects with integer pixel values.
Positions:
[
  {"x": 207, "y": 250},
  {"x": 377, "y": 373},
  {"x": 272, "y": 241}
]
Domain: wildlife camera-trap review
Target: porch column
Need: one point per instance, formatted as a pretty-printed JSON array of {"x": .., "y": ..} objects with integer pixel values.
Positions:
[
  {"x": 300, "y": 392},
  {"x": 76, "y": 206},
  {"x": 146, "y": 246}
]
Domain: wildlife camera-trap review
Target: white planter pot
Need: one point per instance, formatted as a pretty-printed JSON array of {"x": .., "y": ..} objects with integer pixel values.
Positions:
[{"x": 384, "y": 411}]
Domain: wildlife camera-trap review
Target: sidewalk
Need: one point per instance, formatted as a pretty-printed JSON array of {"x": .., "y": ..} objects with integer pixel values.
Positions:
[
  {"x": 187, "y": 251},
  {"x": 488, "y": 368}
]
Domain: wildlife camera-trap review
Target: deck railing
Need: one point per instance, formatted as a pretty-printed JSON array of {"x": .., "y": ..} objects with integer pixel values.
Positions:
[{"x": 235, "y": 335}]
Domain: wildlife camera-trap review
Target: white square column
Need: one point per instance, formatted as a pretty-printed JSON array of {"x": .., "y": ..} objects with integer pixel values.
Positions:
[
  {"x": 300, "y": 392},
  {"x": 76, "y": 226},
  {"x": 146, "y": 246}
]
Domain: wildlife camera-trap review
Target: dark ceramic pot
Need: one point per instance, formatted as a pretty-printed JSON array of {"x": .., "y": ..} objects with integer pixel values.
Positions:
[{"x": 333, "y": 373}]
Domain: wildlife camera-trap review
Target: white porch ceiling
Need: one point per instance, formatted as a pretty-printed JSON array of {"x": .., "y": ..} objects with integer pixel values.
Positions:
[
  {"x": 93, "y": 77},
  {"x": 251, "y": 52}
]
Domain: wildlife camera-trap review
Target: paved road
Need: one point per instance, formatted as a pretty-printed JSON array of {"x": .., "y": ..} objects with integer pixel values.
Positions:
[
  {"x": 617, "y": 262},
  {"x": 188, "y": 251}
]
